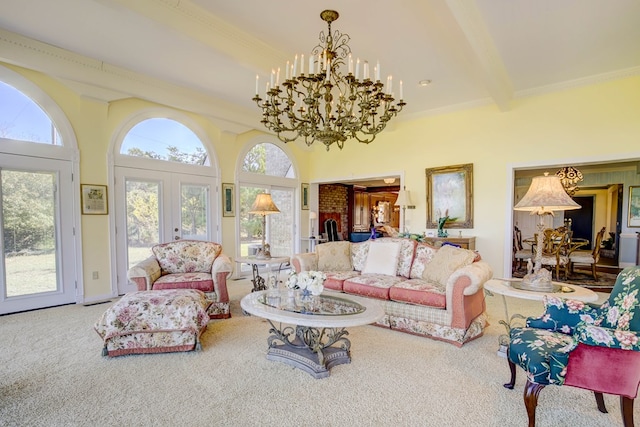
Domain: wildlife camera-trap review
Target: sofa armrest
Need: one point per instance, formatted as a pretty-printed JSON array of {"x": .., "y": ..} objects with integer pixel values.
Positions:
[
  {"x": 464, "y": 302},
  {"x": 305, "y": 262},
  {"x": 220, "y": 271},
  {"x": 144, "y": 273},
  {"x": 477, "y": 273}
]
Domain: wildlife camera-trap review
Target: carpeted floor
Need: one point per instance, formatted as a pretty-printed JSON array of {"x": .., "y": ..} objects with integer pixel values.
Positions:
[{"x": 52, "y": 374}]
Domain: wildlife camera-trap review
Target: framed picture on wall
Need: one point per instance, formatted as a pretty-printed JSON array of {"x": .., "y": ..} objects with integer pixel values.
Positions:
[
  {"x": 228, "y": 201},
  {"x": 304, "y": 196},
  {"x": 450, "y": 193},
  {"x": 634, "y": 206},
  {"x": 94, "y": 199}
]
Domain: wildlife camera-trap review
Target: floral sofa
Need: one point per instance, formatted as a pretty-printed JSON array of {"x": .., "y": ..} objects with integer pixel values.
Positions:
[
  {"x": 187, "y": 264},
  {"x": 424, "y": 290}
]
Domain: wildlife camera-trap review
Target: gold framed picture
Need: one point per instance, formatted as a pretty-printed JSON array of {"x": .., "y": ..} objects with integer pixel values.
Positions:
[
  {"x": 94, "y": 199},
  {"x": 450, "y": 194},
  {"x": 634, "y": 207}
]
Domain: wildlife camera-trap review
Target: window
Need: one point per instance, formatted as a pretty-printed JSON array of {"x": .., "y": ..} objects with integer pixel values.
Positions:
[
  {"x": 268, "y": 159},
  {"x": 22, "y": 119},
  {"x": 164, "y": 139}
]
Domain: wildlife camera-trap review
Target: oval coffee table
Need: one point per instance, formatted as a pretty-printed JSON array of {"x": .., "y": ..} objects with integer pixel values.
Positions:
[{"x": 316, "y": 342}]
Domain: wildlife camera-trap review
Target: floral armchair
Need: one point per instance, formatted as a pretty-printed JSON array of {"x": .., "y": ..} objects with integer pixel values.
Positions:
[
  {"x": 187, "y": 264},
  {"x": 578, "y": 345}
]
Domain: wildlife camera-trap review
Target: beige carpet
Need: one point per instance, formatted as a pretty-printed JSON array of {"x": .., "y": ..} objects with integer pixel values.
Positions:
[{"x": 52, "y": 374}]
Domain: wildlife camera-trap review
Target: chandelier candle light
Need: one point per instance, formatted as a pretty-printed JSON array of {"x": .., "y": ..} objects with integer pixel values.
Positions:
[
  {"x": 321, "y": 103},
  {"x": 545, "y": 195}
]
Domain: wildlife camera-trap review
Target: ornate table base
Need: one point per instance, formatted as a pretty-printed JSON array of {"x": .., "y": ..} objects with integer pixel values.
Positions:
[{"x": 313, "y": 350}]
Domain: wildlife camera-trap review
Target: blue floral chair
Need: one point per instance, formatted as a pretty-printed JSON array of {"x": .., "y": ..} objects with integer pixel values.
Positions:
[{"x": 579, "y": 345}]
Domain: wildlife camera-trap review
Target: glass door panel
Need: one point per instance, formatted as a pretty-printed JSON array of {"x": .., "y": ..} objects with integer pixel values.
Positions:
[
  {"x": 29, "y": 230},
  {"x": 142, "y": 200},
  {"x": 280, "y": 226},
  {"x": 37, "y": 265},
  {"x": 194, "y": 203}
]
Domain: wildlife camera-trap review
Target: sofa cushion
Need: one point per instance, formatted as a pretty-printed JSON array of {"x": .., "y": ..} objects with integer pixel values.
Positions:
[
  {"x": 359, "y": 252},
  {"x": 334, "y": 256},
  {"x": 419, "y": 291},
  {"x": 200, "y": 281},
  {"x": 335, "y": 279},
  {"x": 424, "y": 255},
  {"x": 405, "y": 257},
  {"x": 186, "y": 256},
  {"x": 371, "y": 285},
  {"x": 445, "y": 261},
  {"x": 382, "y": 258}
]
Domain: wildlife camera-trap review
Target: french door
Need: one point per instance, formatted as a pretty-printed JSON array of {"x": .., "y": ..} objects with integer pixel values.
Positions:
[
  {"x": 156, "y": 207},
  {"x": 280, "y": 227},
  {"x": 37, "y": 267}
]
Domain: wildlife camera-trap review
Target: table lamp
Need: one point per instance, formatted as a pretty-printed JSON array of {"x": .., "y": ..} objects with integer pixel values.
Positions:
[
  {"x": 263, "y": 205},
  {"x": 403, "y": 200},
  {"x": 312, "y": 217},
  {"x": 545, "y": 196}
]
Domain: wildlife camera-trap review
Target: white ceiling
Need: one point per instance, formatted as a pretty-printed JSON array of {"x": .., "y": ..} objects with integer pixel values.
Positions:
[{"x": 203, "y": 55}]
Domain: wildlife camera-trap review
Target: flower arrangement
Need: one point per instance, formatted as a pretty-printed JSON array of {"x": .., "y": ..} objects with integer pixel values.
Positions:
[{"x": 308, "y": 281}]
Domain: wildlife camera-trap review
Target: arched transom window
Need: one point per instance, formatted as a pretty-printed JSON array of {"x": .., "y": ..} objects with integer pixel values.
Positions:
[
  {"x": 164, "y": 139},
  {"x": 22, "y": 119}
]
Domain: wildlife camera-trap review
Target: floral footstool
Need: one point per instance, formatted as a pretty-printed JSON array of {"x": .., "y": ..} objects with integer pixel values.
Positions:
[{"x": 154, "y": 322}]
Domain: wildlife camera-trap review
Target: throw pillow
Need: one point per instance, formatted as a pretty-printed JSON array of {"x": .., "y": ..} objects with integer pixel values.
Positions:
[
  {"x": 382, "y": 258},
  {"x": 334, "y": 256},
  {"x": 445, "y": 261},
  {"x": 359, "y": 253},
  {"x": 424, "y": 254}
]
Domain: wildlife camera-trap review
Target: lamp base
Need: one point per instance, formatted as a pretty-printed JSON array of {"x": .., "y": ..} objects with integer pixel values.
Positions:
[{"x": 537, "y": 281}]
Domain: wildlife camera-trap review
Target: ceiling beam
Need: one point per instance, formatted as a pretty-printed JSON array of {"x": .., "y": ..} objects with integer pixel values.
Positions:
[{"x": 493, "y": 71}]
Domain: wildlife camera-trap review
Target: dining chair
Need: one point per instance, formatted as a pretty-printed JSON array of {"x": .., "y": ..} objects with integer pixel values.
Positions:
[
  {"x": 555, "y": 249},
  {"x": 520, "y": 253},
  {"x": 588, "y": 257}
]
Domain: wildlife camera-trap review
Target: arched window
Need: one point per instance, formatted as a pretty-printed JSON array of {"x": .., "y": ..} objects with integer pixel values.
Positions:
[
  {"x": 22, "y": 119},
  {"x": 164, "y": 139},
  {"x": 268, "y": 159}
]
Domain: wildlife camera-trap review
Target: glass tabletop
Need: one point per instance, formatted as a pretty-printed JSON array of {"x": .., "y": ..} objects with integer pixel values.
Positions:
[{"x": 321, "y": 305}]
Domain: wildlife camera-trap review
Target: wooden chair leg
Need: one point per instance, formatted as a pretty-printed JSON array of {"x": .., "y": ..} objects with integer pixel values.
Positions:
[
  {"x": 626, "y": 406},
  {"x": 531, "y": 392},
  {"x": 594, "y": 271},
  {"x": 600, "y": 402},
  {"x": 512, "y": 381}
]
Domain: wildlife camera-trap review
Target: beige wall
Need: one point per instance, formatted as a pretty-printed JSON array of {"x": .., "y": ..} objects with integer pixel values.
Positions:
[{"x": 583, "y": 123}]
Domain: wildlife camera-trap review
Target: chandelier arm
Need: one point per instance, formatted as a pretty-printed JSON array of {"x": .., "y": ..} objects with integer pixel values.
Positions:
[{"x": 324, "y": 104}]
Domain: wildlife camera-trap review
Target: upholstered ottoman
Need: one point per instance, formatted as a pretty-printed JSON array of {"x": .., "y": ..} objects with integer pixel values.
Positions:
[{"x": 154, "y": 322}]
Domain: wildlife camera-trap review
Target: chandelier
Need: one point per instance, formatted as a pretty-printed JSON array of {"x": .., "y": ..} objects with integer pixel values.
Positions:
[
  {"x": 569, "y": 177},
  {"x": 321, "y": 102}
]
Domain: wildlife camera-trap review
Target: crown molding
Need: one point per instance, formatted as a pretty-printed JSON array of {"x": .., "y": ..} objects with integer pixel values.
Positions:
[{"x": 585, "y": 81}]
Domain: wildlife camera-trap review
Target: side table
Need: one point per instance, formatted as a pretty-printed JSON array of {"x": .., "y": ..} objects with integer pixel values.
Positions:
[
  {"x": 503, "y": 287},
  {"x": 259, "y": 283}
]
